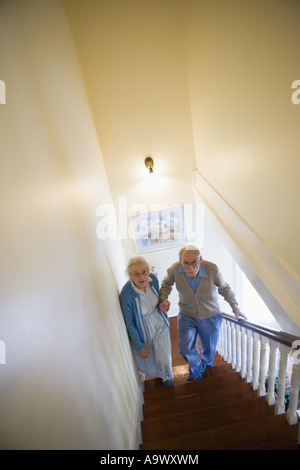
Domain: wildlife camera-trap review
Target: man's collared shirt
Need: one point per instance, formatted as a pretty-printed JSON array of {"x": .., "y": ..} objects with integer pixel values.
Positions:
[{"x": 194, "y": 281}]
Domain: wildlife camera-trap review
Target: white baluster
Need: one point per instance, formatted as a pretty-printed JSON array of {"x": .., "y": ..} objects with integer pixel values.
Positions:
[
  {"x": 249, "y": 356},
  {"x": 238, "y": 348},
  {"x": 225, "y": 340},
  {"x": 256, "y": 347},
  {"x": 229, "y": 351},
  {"x": 279, "y": 405},
  {"x": 243, "y": 353},
  {"x": 222, "y": 345},
  {"x": 291, "y": 415},
  {"x": 220, "y": 348},
  {"x": 270, "y": 398},
  {"x": 262, "y": 366},
  {"x": 233, "y": 346}
]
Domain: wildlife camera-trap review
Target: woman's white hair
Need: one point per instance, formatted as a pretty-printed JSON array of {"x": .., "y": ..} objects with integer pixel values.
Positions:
[
  {"x": 189, "y": 247},
  {"x": 135, "y": 260}
]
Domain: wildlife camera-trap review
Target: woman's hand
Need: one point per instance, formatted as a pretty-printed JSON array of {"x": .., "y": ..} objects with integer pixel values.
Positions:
[
  {"x": 164, "y": 306},
  {"x": 143, "y": 353}
]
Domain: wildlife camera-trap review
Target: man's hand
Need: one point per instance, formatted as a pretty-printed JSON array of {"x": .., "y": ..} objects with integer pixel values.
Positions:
[
  {"x": 239, "y": 315},
  {"x": 164, "y": 306}
]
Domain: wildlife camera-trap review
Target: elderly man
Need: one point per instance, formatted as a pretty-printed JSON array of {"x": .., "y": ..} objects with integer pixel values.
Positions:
[{"x": 198, "y": 283}]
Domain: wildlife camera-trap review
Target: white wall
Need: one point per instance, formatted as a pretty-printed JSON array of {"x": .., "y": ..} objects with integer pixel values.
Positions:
[
  {"x": 276, "y": 286},
  {"x": 242, "y": 58},
  {"x": 146, "y": 82},
  {"x": 199, "y": 84},
  {"x": 132, "y": 56},
  {"x": 241, "y": 62},
  {"x": 69, "y": 381}
]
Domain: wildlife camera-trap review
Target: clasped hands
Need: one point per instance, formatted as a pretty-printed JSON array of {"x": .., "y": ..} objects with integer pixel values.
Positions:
[{"x": 164, "y": 305}]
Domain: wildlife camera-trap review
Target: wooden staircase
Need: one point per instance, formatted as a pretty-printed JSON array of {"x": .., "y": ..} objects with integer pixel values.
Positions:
[{"x": 219, "y": 412}]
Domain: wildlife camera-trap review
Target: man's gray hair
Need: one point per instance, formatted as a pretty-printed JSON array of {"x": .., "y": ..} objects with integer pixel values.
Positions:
[
  {"x": 135, "y": 260},
  {"x": 189, "y": 247}
]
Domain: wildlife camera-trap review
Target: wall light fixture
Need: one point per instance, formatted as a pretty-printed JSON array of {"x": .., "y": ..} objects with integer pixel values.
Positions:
[{"x": 149, "y": 163}]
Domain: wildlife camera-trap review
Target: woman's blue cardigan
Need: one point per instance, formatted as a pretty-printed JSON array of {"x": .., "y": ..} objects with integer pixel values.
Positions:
[{"x": 132, "y": 312}]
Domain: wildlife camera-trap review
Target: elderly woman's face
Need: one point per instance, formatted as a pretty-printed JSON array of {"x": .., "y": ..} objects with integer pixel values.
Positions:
[{"x": 139, "y": 274}]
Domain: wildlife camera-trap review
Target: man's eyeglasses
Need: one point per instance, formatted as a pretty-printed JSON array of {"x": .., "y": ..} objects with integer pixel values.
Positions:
[{"x": 193, "y": 264}]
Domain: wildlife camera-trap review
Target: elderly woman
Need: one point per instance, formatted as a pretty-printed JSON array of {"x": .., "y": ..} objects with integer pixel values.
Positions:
[{"x": 147, "y": 325}]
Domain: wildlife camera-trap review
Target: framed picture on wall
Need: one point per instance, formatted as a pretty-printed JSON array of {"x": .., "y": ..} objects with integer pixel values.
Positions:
[{"x": 159, "y": 229}]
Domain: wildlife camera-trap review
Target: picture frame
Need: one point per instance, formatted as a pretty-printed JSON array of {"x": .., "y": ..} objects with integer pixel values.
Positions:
[{"x": 159, "y": 229}]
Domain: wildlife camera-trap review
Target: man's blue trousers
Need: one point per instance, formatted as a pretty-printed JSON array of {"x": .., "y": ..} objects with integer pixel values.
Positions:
[{"x": 189, "y": 329}]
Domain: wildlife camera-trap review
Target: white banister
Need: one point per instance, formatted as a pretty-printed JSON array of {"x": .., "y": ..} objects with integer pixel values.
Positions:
[{"x": 255, "y": 351}]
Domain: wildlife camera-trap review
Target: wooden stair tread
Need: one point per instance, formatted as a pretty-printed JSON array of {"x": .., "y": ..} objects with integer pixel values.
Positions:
[
  {"x": 191, "y": 388},
  {"x": 181, "y": 372},
  {"x": 271, "y": 432},
  {"x": 181, "y": 404},
  {"x": 207, "y": 418}
]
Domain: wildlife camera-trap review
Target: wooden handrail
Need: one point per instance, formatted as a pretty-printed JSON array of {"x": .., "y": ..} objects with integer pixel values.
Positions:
[{"x": 278, "y": 336}]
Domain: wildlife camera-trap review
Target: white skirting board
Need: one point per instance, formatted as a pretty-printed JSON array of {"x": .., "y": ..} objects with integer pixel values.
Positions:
[{"x": 138, "y": 438}]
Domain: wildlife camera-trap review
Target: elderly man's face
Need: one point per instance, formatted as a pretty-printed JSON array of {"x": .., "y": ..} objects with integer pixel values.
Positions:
[{"x": 190, "y": 261}]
